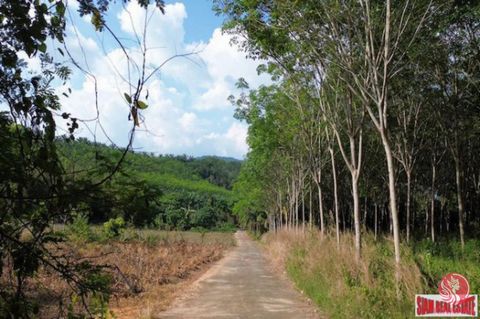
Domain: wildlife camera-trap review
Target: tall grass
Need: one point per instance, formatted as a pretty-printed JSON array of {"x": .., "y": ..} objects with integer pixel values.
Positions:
[
  {"x": 95, "y": 233},
  {"x": 147, "y": 268},
  {"x": 341, "y": 287},
  {"x": 445, "y": 256}
]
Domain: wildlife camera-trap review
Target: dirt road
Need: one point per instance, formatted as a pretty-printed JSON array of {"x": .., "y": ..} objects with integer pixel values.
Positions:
[{"x": 241, "y": 285}]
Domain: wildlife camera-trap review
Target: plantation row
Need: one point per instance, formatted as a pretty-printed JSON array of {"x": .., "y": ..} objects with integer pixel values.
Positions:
[
  {"x": 47, "y": 180},
  {"x": 371, "y": 121}
]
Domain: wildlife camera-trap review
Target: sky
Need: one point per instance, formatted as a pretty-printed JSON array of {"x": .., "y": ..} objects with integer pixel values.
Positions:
[{"x": 188, "y": 111}]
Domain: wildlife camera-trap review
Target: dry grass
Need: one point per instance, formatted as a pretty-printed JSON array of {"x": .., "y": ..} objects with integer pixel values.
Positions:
[
  {"x": 148, "y": 271},
  {"x": 339, "y": 285},
  {"x": 158, "y": 272}
]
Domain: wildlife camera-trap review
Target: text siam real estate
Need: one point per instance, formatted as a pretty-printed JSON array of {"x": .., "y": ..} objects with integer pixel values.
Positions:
[{"x": 453, "y": 300}]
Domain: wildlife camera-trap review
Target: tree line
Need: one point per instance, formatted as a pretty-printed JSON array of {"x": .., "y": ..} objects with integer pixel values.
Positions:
[
  {"x": 44, "y": 180},
  {"x": 162, "y": 191},
  {"x": 371, "y": 121}
]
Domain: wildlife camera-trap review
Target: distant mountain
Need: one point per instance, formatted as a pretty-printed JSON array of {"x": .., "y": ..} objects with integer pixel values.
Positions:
[
  {"x": 217, "y": 170},
  {"x": 223, "y": 158}
]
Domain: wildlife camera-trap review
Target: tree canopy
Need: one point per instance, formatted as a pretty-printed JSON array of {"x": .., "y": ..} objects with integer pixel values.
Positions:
[{"x": 371, "y": 121}]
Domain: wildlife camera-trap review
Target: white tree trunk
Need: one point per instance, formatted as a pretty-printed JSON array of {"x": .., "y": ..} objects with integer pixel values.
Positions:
[
  {"x": 432, "y": 203},
  {"x": 461, "y": 208},
  {"x": 320, "y": 207},
  {"x": 356, "y": 215},
  {"x": 409, "y": 194},
  {"x": 335, "y": 196},
  {"x": 393, "y": 203}
]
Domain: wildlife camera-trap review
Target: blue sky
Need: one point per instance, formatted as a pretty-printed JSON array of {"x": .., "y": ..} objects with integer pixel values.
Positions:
[{"x": 188, "y": 110}]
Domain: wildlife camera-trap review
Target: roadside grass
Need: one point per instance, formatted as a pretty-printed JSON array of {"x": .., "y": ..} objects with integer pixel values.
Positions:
[
  {"x": 150, "y": 236},
  {"x": 147, "y": 268},
  {"x": 445, "y": 256},
  {"x": 339, "y": 286}
]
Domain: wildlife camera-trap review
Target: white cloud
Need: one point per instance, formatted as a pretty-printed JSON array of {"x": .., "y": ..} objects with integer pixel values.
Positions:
[
  {"x": 237, "y": 134},
  {"x": 77, "y": 41},
  {"x": 215, "y": 97},
  {"x": 162, "y": 30},
  {"x": 229, "y": 143},
  {"x": 188, "y": 121},
  {"x": 188, "y": 109},
  {"x": 225, "y": 65},
  {"x": 227, "y": 62}
]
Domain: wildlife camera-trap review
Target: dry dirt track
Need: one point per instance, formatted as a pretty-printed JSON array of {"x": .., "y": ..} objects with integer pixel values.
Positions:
[{"x": 241, "y": 286}]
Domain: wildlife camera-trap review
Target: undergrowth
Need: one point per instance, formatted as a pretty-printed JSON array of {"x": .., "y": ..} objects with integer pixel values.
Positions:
[
  {"x": 145, "y": 268},
  {"x": 343, "y": 288},
  {"x": 437, "y": 259}
]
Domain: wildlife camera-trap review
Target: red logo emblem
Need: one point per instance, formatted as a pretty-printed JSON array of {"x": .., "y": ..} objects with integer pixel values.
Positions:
[{"x": 454, "y": 288}]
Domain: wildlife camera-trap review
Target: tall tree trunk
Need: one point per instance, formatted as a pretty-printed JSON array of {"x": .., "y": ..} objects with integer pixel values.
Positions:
[
  {"x": 281, "y": 209},
  {"x": 376, "y": 220},
  {"x": 290, "y": 205},
  {"x": 320, "y": 201},
  {"x": 296, "y": 208},
  {"x": 356, "y": 215},
  {"x": 414, "y": 211},
  {"x": 353, "y": 163},
  {"x": 432, "y": 203},
  {"x": 409, "y": 192},
  {"x": 461, "y": 208},
  {"x": 303, "y": 213},
  {"x": 335, "y": 196},
  {"x": 310, "y": 209},
  {"x": 279, "y": 220},
  {"x": 393, "y": 202},
  {"x": 320, "y": 207}
]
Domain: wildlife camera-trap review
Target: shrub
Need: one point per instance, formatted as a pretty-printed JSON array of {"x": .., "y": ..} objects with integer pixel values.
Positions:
[
  {"x": 158, "y": 222},
  {"x": 341, "y": 287},
  {"x": 437, "y": 259},
  {"x": 79, "y": 230},
  {"x": 226, "y": 228},
  {"x": 113, "y": 227},
  {"x": 178, "y": 219},
  {"x": 204, "y": 217}
]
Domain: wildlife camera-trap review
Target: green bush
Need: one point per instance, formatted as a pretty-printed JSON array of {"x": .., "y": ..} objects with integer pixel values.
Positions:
[
  {"x": 178, "y": 219},
  {"x": 204, "y": 217},
  {"x": 341, "y": 287},
  {"x": 435, "y": 260},
  {"x": 79, "y": 230},
  {"x": 158, "y": 222},
  {"x": 113, "y": 227},
  {"x": 226, "y": 228}
]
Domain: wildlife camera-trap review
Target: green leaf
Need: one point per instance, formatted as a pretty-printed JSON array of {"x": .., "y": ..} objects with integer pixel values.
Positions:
[
  {"x": 142, "y": 105},
  {"x": 242, "y": 84},
  {"x": 60, "y": 8},
  {"x": 128, "y": 98},
  {"x": 42, "y": 47},
  {"x": 97, "y": 20}
]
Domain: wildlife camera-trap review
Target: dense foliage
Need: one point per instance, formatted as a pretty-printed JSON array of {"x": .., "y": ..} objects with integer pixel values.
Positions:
[
  {"x": 33, "y": 188},
  {"x": 165, "y": 191},
  {"x": 371, "y": 123},
  {"x": 40, "y": 185}
]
